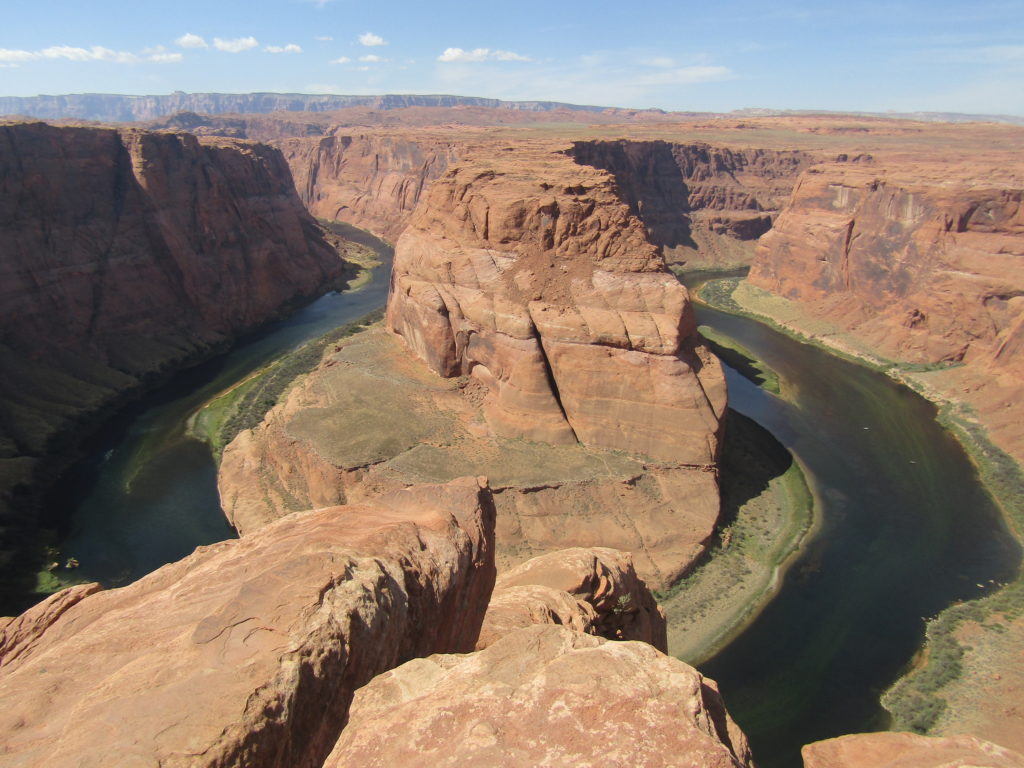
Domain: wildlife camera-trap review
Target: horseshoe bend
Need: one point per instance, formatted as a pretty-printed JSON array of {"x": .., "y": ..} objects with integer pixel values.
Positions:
[{"x": 456, "y": 522}]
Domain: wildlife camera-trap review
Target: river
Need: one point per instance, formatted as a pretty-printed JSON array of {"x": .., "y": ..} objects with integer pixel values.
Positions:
[
  {"x": 905, "y": 529},
  {"x": 905, "y": 526},
  {"x": 146, "y": 493}
]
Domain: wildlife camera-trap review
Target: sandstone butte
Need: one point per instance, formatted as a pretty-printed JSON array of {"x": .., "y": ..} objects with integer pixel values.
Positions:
[
  {"x": 125, "y": 254},
  {"x": 559, "y": 358}
]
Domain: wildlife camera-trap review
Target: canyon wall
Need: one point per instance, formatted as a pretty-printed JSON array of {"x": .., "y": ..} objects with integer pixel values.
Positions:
[
  {"x": 126, "y": 253},
  {"x": 705, "y": 206},
  {"x": 373, "y": 181},
  {"x": 921, "y": 265}
]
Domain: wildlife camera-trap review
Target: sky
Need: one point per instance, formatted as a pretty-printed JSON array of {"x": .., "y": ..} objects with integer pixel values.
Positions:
[{"x": 912, "y": 55}]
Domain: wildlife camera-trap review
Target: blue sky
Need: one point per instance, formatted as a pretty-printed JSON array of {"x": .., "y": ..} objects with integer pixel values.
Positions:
[{"x": 966, "y": 56}]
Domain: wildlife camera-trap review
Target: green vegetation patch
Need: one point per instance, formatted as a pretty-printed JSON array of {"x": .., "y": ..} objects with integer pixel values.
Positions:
[
  {"x": 735, "y": 355},
  {"x": 245, "y": 405},
  {"x": 919, "y": 700}
]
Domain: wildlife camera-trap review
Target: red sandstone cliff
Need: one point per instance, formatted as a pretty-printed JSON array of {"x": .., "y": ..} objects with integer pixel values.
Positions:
[
  {"x": 920, "y": 264},
  {"x": 373, "y": 181},
  {"x": 704, "y": 205},
  {"x": 125, "y": 253}
]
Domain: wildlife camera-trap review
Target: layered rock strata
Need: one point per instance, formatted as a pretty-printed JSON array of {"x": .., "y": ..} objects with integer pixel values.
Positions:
[
  {"x": 920, "y": 265},
  {"x": 542, "y": 696},
  {"x": 595, "y": 591},
  {"x": 248, "y": 652},
  {"x": 373, "y": 181},
  {"x": 126, "y": 253},
  {"x": 705, "y": 206},
  {"x": 563, "y": 363},
  {"x": 528, "y": 274},
  {"x": 908, "y": 750},
  {"x": 372, "y": 418}
]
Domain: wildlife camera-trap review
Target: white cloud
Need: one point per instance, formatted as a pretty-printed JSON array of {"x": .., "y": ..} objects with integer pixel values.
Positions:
[
  {"x": 363, "y": 69},
  {"x": 290, "y": 48},
  {"x": 323, "y": 38},
  {"x": 166, "y": 58},
  {"x": 372, "y": 58},
  {"x": 660, "y": 61},
  {"x": 479, "y": 54},
  {"x": 188, "y": 40},
  {"x": 10, "y": 56},
  {"x": 71, "y": 53},
  {"x": 369, "y": 39},
  {"x": 341, "y": 60},
  {"x": 237, "y": 45}
]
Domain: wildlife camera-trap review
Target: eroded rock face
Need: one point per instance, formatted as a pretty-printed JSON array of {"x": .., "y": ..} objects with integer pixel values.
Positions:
[
  {"x": 527, "y": 274},
  {"x": 373, "y": 181},
  {"x": 248, "y": 652},
  {"x": 922, "y": 264},
  {"x": 596, "y": 591},
  {"x": 908, "y": 750},
  {"x": 705, "y": 206},
  {"x": 124, "y": 254},
  {"x": 542, "y": 696}
]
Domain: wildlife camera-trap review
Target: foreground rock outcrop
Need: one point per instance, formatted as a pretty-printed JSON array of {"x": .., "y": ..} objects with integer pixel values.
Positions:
[
  {"x": 908, "y": 750},
  {"x": 595, "y": 591},
  {"x": 248, "y": 652},
  {"x": 124, "y": 254},
  {"x": 542, "y": 696}
]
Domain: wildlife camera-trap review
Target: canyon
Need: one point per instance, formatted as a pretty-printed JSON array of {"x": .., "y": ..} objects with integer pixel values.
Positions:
[
  {"x": 127, "y": 254},
  {"x": 533, "y": 335}
]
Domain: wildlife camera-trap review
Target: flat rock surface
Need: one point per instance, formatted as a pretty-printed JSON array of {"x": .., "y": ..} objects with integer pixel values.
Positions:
[
  {"x": 542, "y": 696},
  {"x": 908, "y": 750}
]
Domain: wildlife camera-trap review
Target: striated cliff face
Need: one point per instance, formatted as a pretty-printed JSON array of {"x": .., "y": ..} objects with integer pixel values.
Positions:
[
  {"x": 704, "y": 205},
  {"x": 125, "y": 253},
  {"x": 529, "y": 275},
  {"x": 920, "y": 265},
  {"x": 371, "y": 181}
]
